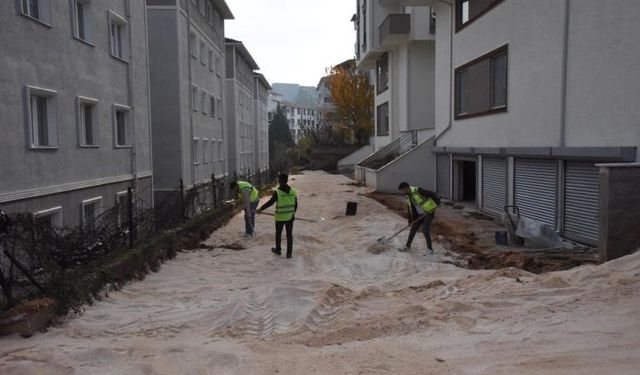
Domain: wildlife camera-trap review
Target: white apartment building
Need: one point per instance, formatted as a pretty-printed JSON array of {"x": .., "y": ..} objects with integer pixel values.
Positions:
[
  {"x": 71, "y": 145},
  {"x": 261, "y": 112},
  {"x": 187, "y": 70},
  {"x": 396, "y": 42},
  {"x": 530, "y": 96},
  {"x": 240, "y": 86},
  {"x": 299, "y": 117}
]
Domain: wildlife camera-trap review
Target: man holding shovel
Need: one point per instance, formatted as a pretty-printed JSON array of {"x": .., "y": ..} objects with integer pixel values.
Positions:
[
  {"x": 422, "y": 205},
  {"x": 286, "y": 200},
  {"x": 248, "y": 195}
]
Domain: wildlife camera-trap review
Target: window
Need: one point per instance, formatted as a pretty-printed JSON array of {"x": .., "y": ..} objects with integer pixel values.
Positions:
[
  {"x": 220, "y": 150},
  {"x": 87, "y": 122},
  {"x": 220, "y": 109},
  {"x": 41, "y": 117},
  {"x": 481, "y": 85},
  {"x": 208, "y": 12},
  {"x": 122, "y": 131},
  {"x": 194, "y": 97},
  {"x": 382, "y": 73},
  {"x": 123, "y": 207},
  {"x": 83, "y": 22},
  {"x": 203, "y": 101},
  {"x": 383, "y": 119},
  {"x": 90, "y": 211},
  {"x": 468, "y": 11},
  {"x": 117, "y": 33},
  {"x": 205, "y": 151},
  {"x": 218, "y": 66},
  {"x": 39, "y": 10},
  {"x": 51, "y": 217},
  {"x": 203, "y": 53},
  {"x": 212, "y": 105},
  {"x": 196, "y": 149},
  {"x": 193, "y": 40},
  {"x": 211, "y": 61}
]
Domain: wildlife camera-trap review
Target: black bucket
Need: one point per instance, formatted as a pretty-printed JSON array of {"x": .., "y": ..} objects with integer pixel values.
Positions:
[
  {"x": 352, "y": 209},
  {"x": 501, "y": 238}
]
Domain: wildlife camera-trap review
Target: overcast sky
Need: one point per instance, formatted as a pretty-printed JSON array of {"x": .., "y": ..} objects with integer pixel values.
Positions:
[{"x": 293, "y": 41}]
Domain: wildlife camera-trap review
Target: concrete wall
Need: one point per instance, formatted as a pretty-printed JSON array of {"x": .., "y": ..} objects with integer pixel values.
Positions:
[
  {"x": 347, "y": 164},
  {"x": 417, "y": 167},
  {"x": 421, "y": 86},
  {"x": 619, "y": 216},
  {"x": 49, "y": 57}
]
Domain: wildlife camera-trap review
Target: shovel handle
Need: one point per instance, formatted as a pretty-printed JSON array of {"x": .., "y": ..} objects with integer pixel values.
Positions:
[
  {"x": 407, "y": 227},
  {"x": 297, "y": 218}
]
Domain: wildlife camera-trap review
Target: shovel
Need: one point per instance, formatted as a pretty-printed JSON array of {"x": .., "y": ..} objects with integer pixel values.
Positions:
[
  {"x": 299, "y": 218},
  {"x": 385, "y": 240}
]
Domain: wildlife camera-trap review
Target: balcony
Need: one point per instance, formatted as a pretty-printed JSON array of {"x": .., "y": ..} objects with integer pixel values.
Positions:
[{"x": 395, "y": 29}]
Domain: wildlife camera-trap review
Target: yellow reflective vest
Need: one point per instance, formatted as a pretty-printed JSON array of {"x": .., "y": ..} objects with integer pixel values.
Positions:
[
  {"x": 285, "y": 205},
  {"x": 243, "y": 185},
  {"x": 428, "y": 205}
]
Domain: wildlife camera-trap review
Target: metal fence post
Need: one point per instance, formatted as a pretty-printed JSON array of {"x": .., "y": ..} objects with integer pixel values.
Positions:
[
  {"x": 184, "y": 211},
  {"x": 213, "y": 189},
  {"x": 130, "y": 222}
]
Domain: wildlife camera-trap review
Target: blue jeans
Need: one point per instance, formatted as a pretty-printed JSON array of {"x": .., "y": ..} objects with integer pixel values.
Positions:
[{"x": 250, "y": 220}]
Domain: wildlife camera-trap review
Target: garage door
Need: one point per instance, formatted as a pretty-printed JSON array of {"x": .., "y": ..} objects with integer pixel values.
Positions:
[
  {"x": 494, "y": 185},
  {"x": 536, "y": 183},
  {"x": 581, "y": 202},
  {"x": 443, "y": 166}
]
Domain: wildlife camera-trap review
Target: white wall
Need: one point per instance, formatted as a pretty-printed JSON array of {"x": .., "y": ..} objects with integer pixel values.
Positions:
[
  {"x": 603, "y": 84},
  {"x": 603, "y": 74}
]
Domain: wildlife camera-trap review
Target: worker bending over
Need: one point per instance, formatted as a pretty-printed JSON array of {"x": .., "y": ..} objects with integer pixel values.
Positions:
[
  {"x": 248, "y": 195},
  {"x": 422, "y": 205},
  {"x": 286, "y": 200}
]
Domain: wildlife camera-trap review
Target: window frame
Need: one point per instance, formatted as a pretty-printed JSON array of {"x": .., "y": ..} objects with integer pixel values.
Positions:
[
  {"x": 88, "y": 23},
  {"x": 115, "y": 18},
  {"x": 128, "y": 133},
  {"x": 196, "y": 153},
  {"x": 44, "y": 12},
  {"x": 119, "y": 195},
  {"x": 52, "y": 117},
  {"x": 98, "y": 201},
  {"x": 458, "y": 16},
  {"x": 378, "y": 66},
  {"x": 82, "y": 101},
  {"x": 385, "y": 104},
  {"x": 492, "y": 109},
  {"x": 195, "y": 97},
  {"x": 50, "y": 212}
]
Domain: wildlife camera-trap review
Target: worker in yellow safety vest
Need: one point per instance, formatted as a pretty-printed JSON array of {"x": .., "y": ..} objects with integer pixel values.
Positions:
[
  {"x": 422, "y": 205},
  {"x": 286, "y": 200},
  {"x": 248, "y": 195}
]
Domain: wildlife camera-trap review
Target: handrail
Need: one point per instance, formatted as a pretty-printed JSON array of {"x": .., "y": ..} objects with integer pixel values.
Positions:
[{"x": 388, "y": 153}]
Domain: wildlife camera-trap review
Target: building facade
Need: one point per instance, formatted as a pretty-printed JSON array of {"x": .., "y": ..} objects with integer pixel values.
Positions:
[
  {"x": 72, "y": 144},
  {"x": 396, "y": 43},
  {"x": 261, "y": 120},
  {"x": 187, "y": 70},
  {"x": 240, "y": 86},
  {"x": 530, "y": 97}
]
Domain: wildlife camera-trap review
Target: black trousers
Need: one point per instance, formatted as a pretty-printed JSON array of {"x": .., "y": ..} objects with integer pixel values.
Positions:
[
  {"x": 279, "y": 226},
  {"x": 425, "y": 224}
]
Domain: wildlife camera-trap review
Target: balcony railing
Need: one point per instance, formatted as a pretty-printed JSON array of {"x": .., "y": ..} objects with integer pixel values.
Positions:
[{"x": 395, "y": 28}]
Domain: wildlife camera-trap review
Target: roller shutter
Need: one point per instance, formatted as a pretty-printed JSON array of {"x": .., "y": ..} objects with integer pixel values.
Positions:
[
  {"x": 443, "y": 166},
  {"x": 536, "y": 184},
  {"x": 494, "y": 185},
  {"x": 581, "y": 202}
]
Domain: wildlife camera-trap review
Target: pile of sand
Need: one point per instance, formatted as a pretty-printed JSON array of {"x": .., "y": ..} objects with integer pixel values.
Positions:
[{"x": 337, "y": 309}]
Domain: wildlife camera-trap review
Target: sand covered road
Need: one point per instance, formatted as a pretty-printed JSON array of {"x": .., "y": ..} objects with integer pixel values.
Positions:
[{"x": 337, "y": 309}]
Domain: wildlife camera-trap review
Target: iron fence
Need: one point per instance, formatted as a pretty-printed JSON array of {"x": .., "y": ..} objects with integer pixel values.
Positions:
[{"x": 32, "y": 251}]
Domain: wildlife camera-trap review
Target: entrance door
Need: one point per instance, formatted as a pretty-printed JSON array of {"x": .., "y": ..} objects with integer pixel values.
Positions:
[
  {"x": 581, "y": 202},
  {"x": 465, "y": 183}
]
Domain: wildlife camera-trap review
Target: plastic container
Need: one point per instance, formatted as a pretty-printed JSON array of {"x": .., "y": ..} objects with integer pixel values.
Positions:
[{"x": 352, "y": 209}]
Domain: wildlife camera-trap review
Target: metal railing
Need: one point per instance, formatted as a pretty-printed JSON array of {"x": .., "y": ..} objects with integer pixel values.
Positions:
[{"x": 392, "y": 151}]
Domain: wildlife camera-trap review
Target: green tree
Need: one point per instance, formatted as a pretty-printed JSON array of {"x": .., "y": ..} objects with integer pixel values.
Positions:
[{"x": 280, "y": 140}]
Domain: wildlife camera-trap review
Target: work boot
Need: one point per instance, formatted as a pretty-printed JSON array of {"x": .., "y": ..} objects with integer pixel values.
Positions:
[
  {"x": 276, "y": 251},
  {"x": 405, "y": 249},
  {"x": 289, "y": 255},
  {"x": 429, "y": 252}
]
